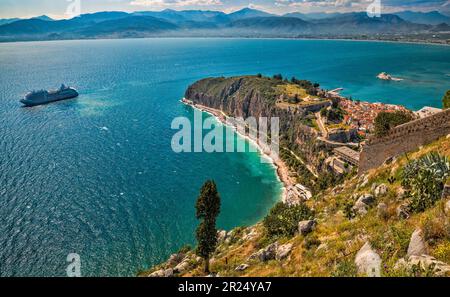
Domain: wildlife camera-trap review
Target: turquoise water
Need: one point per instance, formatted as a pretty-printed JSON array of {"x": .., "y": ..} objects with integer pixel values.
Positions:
[{"x": 97, "y": 176}]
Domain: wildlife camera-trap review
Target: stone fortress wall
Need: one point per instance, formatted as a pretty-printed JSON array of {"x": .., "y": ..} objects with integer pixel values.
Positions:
[{"x": 404, "y": 138}]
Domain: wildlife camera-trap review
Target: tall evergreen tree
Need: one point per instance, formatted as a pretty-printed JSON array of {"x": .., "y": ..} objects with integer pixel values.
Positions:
[
  {"x": 208, "y": 209},
  {"x": 446, "y": 100}
]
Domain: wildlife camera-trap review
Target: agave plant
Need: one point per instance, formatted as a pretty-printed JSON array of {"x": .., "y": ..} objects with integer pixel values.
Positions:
[{"x": 425, "y": 179}]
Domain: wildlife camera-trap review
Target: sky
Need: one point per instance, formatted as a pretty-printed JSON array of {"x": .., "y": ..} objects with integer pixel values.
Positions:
[{"x": 60, "y": 9}]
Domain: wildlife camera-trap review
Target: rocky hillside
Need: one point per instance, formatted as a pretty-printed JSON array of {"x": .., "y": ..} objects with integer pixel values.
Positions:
[
  {"x": 368, "y": 225},
  {"x": 258, "y": 96}
]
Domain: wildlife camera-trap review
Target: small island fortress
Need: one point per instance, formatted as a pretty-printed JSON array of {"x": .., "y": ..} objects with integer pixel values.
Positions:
[
  {"x": 385, "y": 76},
  {"x": 41, "y": 97}
]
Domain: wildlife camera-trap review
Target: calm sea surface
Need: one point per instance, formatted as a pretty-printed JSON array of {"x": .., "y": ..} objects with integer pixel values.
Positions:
[{"x": 97, "y": 176}]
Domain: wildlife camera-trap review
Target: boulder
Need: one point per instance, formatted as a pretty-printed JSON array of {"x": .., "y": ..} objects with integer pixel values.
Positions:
[
  {"x": 305, "y": 227},
  {"x": 265, "y": 254},
  {"x": 269, "y": 252},
  {"x": 255, "y": 256},
  {"x": 367, "y": 261},
  {"x": 401, "y": 193},
  {"x": 447, "y": 208},
  {"x": 168, "y": 272},
  {"x": 367, "y": 199},
  {"x": 424, "y": 262},
  {"x": 283, "y": 251},
  {"x": 446, "y": 191},
  {"x": 322, "y": 247},
  {"x": 363, "y": 181},
  {"x": 382, "y": 212},
  {"x": 242, "y": 267},
  {"x": 174, "y": 259},
  {"x": 252, "y": 233},
  {"x": 373, "y": 187},
  {"x": 363, "y": 203},
  {"x": 182, "y": 267},
  {"x": 380, "y": 190},
  {"x": 417, "y": 245},
  {"x": 158, "y": 273},
  {"x": 360, "y": 208},
  {"x": 402, "y": 211},
  {"x": 221, "y": 236}
]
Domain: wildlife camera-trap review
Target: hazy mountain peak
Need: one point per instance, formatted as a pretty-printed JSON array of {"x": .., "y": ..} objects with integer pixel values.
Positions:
[
  {"x": 247, "y": 12},
  {"x": 429, "y": 18},
  {"x": 43, "y": 18}
]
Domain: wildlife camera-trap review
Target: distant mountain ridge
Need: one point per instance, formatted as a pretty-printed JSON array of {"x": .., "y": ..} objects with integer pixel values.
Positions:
[
  {"x": 428, "y": 18},
  {"x": 246, "y": 22}
]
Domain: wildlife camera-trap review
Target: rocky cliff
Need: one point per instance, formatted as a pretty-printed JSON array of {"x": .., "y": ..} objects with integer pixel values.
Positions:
[
  {"x": 258, "y": 96},
  {"x": 242, "y": 96}
]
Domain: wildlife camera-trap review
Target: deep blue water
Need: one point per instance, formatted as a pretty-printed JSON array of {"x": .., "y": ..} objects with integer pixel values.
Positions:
[{"x": 97, "y": 176}]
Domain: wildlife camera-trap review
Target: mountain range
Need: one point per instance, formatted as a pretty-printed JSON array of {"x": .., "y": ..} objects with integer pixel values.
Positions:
[{"x": 245, "y": 22}]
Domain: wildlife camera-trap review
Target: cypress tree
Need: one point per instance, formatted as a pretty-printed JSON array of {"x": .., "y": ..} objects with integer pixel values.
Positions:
[
  {"x": 208, "y": 209},
  {"x": 446, "y": 100}
]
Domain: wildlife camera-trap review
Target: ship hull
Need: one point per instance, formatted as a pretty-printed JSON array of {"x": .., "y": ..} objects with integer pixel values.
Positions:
[{"x": 49, "y": 99}]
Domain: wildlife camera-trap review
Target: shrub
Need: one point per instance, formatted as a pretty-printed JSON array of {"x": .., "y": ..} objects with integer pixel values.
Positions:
[
  {"x": 345, "y": 268},
  {"x": 349, "y": 212},
  {"x": 312, "y": 241},
  {"x": 387, "y": 120},
  {"x": 442, "y": 252},
  {"x": 401, "y": 238},
  {"x": 278, "y": 76},
  {"x": 185, "y": 249},
  {"x": 424, "y": 178},
  {"x": 283, "y": 219},
  {"x": 436, "y": 229}
]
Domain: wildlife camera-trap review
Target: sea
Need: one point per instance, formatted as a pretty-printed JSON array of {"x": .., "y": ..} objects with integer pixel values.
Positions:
[{"x": 97, "y": 175}]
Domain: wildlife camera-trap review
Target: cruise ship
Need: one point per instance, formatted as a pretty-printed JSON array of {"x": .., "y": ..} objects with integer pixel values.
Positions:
[{"x": 43, "y": 96}]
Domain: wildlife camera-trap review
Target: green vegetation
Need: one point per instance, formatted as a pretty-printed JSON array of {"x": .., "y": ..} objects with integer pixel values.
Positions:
[
  {"x": 327, "y": 179},
  {"x": 388, "y": 120},
  {"x": 304, "y": 176},
  {"x": 334, "y": 115},
  {"x": 184, "y": 249},
  {"x": 446, "y": 100},
  {"x": 310, "y": 88},
  {"x": 345, "y": 268},
  {"x": 278, "y": 76},
  {"x": 425, "y": 178},
  {"x": 208, "y": 208},
  {"x": 283, "y": 219}
]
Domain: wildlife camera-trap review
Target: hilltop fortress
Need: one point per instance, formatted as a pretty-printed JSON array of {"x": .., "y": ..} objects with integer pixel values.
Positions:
[{"x": 402, "y": 139}]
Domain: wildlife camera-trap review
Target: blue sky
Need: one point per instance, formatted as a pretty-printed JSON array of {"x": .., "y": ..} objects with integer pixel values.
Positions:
[{"x": 58, "y": 8}]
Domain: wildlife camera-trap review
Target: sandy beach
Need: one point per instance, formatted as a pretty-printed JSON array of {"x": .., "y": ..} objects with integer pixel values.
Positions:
[{"x": 282, "y": 169}]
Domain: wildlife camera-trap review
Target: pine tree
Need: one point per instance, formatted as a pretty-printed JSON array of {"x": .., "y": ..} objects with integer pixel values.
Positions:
[{"x": 208, "y": 209}]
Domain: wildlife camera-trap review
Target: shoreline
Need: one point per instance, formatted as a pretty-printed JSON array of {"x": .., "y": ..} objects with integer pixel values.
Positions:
[
  {"x": 281, "y": 169},
  {"x": 424, "y": 42}
]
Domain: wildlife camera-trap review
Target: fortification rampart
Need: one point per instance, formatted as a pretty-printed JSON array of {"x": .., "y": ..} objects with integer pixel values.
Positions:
[{"x": 404, "y": 138}]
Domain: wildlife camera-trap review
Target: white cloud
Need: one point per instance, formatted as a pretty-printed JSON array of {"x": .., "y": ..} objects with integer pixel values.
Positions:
[{"x": 177, "y": 3}]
